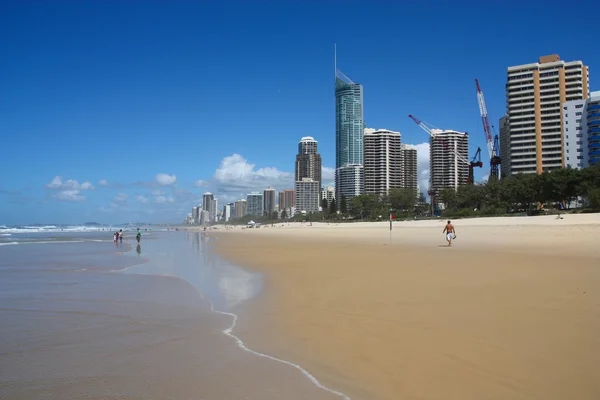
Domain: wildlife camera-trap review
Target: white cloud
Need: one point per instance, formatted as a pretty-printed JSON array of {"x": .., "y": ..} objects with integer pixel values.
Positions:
[
  {"x": 158, "y": 192},
  {"x": 68, "y": 190},
  {"x": 163, "y": 199},
  {"x": 121, "y": 198},
  {"x": 423, "y": 166},
  {"x": 142, "y": 199},
  {"x": 201, "y": 183},
  {"x": 236, "y": 176},
  {"x": 103, "y": 182},
  {"x": 69, "y": 195},
  {"x": 327, "y": 175},
  {"x": 165, "y": 179},
  {"x": 70, "y": 184}
]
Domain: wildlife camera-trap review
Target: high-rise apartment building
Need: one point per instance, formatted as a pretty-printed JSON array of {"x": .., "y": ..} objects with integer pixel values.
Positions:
[
  {"x": 308, "y": 195},
  {"x": 308, "y": 160},
  {"x": 534, "y": 96},
  {"x": 349, "y": 130},
  {"x": 349, "y": 182},
  {"x": 382, "y": 161},
  {"x": 581, "y": 131},
  {"x": 226, "y": 212},
  {"x": 287, "y": 200},
  {"x": 241, "y": 208},
  {"x": 207, "y": 205},
  {"x": 214, "y": 207},
  {"x": 254, "y": 204},
  {"x": 448, "y": 155},
  {"x": 269, "y": 198},
  {"x": 328, "y": 193},
  {"x": 504, "y": 146},
  {"x": 409, "y": 166}
]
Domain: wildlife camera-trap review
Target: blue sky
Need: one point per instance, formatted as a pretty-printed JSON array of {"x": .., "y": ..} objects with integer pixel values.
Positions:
[{"x": 116, "y": 111}]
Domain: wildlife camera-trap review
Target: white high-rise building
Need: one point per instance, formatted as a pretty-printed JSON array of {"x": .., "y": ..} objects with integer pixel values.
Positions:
[
  {"x": 581, "y": 132},
  {"x": 204, "y": 217},
  {"x": 349, "y": 182},
  {"x": 254, "y": 204},
  {"x": 214, "y": 207},
  {"x": 534, "y": 96},
  {"x": 328, "y": 193},
  {"x": 308, "y": 195},
  {"x": 226, "y": 212},
  {"x": 382, "y": 161},
  {"x": 448, "y": 157}
]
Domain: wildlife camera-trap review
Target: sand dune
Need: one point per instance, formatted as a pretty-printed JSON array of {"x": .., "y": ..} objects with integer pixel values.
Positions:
[{"x": 511, "y": 311}]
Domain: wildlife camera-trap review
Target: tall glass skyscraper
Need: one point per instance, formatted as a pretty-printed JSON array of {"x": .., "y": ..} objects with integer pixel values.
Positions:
[
  {"x": 349, "y": 131},
  {"x": 349, "y": 121}
]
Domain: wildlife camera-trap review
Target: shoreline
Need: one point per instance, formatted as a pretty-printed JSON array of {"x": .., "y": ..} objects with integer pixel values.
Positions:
[
  {"x": 344, "y": 304},
  {"x": 234, "y": 314}
]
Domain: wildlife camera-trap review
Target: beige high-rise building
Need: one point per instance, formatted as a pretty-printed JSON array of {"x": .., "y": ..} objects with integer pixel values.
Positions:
[
  {"x": 382, "y": 161},
  {"x": 535, "y": 94},
  {"x": 240, "y": 208},
  {"x": 409, "y": 166},
  {"x": 269, "y": 198},
  {"x": 287, "y": 199}
]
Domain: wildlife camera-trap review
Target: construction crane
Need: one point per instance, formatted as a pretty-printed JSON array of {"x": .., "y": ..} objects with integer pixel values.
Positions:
[
  {"x": 475, "y": 162},
  {"x": 493, "y": 144}
]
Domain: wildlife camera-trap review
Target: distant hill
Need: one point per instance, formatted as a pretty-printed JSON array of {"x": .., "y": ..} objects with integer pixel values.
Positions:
[{"x": 92, "y": 224}]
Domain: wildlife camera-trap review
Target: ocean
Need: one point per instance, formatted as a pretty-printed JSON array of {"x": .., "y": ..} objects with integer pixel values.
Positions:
[{"x": 85, "y": 318}]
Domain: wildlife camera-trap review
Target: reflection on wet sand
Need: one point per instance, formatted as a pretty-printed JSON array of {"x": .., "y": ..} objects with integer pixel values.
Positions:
[{"x": 225, "y": 285}]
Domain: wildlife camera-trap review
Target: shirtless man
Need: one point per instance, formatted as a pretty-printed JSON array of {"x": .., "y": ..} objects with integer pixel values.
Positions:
[{"x": 450, "y": 232}]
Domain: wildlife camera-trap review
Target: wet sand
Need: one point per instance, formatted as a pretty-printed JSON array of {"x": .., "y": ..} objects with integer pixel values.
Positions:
[
  {"x": 76, "y": 329},
  {"x": 512, "y": 310}
]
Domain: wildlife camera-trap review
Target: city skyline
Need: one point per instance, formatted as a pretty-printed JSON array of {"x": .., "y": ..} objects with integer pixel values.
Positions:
[{"x": 112, "y": 136}]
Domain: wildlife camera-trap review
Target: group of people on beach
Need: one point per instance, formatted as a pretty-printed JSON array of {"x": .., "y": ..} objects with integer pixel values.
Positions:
[{"x": 118, "y": 236}]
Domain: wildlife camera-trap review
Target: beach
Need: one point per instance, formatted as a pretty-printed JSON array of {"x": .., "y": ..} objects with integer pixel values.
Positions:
[
  {"x": 512, "y": 310},
  {"x": 83, "y": 317}
]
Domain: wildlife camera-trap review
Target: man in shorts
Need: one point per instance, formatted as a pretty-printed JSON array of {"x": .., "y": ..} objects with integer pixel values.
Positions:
[{"x": 450, "y": 233}]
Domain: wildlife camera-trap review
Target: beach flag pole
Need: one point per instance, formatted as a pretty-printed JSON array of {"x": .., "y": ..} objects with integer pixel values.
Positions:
[{"x": 391, "y": 219}]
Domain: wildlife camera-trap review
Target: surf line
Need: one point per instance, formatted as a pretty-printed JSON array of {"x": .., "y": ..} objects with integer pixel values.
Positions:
[{"x": 240, "y": 343}]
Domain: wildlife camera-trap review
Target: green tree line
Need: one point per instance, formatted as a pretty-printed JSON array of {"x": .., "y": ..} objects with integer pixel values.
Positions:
[{"x": 521, "y": 193}]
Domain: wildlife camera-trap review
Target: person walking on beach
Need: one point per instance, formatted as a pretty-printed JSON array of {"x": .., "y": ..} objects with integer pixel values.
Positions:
[
  {"x": 121, "y": 235},
  {"x": 138, "y": 236},
  {"x": 116, "y": 237},
  {"x": 450, "y": 233}
]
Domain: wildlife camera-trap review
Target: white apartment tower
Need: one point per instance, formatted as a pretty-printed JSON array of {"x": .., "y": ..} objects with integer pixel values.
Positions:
[
  {"x": 534, "y": 96},
  {"x": 409, "y": 164},
  {"x": 308, "y": 195},
  {"x": 383, "y": 167},
  {"x": 349, "y": 182},
  {"x": 582, "y": 132},
  {"x": 448, "y": 155},
  {"x": 328, "y": 193}
]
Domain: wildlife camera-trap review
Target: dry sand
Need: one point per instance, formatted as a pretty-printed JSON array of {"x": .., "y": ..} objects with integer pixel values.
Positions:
[{"x": 511, "y": 311}]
